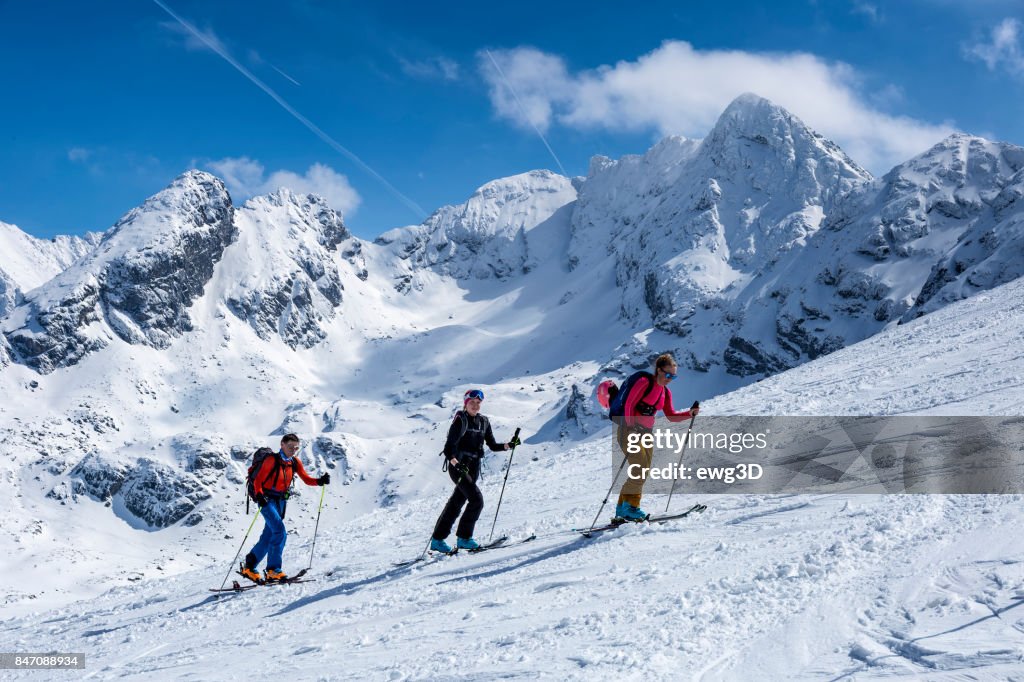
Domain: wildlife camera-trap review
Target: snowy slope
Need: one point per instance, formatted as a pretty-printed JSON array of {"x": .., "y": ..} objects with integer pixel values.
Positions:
[{"x": 766, "y": 587}]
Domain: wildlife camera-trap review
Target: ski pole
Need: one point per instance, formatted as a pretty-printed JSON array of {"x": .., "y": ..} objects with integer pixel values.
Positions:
[
  {"x": 323, "y": 489},
  {"x": 696, "y": 405},
  {"x": 515, "y": 437},
  {"x": 625, "y": 458},
  {"x": 225, "y": 581}
]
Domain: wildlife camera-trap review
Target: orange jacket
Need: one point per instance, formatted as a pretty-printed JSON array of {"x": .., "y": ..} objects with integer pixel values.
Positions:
[{"x": 268, "y": 480}]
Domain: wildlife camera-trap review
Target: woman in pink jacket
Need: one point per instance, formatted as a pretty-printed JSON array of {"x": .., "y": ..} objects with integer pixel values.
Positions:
[{"x": 642, "y": 403}]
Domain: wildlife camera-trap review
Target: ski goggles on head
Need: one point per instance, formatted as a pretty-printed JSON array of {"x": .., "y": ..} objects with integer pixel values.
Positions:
[{"x": 474, "y": 393}]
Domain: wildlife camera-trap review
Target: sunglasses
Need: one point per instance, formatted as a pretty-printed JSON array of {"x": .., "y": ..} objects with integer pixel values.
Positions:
[
  {"x": 475, "y": 393},
  {"x": 669, "y": 375}
]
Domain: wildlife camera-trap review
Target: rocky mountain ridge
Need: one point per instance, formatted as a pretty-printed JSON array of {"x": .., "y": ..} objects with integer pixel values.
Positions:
[{"x": 747, "y": 253}]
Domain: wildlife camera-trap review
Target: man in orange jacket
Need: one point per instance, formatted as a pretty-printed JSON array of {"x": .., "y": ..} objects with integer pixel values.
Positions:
[{"x": 270, "y": 485}]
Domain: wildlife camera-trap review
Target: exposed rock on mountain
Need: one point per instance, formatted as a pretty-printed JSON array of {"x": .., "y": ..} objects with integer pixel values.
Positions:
[
  {"x": 136, "y": 285},
  {"x": 282, "y": 275}
]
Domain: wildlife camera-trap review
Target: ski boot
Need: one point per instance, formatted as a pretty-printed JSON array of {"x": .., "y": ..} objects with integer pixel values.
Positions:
[
  {"x": 440, "y": 546},
  {"x": 467, "y": 543},
  {"x": 275, "y": 575},
  {"x": 248, "y": 569},
  {"x": 631, "y": 513}
]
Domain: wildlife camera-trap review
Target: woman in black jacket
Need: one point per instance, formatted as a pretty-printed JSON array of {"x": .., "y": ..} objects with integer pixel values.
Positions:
[{"x": 463, "y": 449}]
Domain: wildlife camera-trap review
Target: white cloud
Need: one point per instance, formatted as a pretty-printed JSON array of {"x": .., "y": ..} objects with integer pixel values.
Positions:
[
  {"x": 246, "y": 177},
  {"x": 867, "y": 9},
  {"x": 79, "y": 154},
  {"x": 193, "y": 42},
  {"x": 435, "y": 68},
  {"x": 540, "y": 80},
  {"x": 677, "y": 90},
  {"x": 1004, "y": 49}
]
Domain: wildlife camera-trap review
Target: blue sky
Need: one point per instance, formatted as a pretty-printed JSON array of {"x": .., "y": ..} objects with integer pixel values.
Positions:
[{"x": 415, "y": 104}]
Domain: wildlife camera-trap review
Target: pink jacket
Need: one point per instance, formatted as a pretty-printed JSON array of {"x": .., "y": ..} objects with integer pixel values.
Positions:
[{"x": 659, "y": 396}]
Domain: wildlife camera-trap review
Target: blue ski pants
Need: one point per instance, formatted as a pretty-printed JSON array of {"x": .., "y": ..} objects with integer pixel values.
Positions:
[{"x": 271, "y": 542}]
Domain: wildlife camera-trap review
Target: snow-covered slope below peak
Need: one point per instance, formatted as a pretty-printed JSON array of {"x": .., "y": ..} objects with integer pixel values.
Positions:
[
  {"x": 939, "y": 228},
  {"x": 963, "y": 359},
  {"x": 953, "y": 212},
  {"x": 489, "y": 235},
  {"x": 795, "y": 586},
  {"x": 28, "y": 262},
  {"x": 282, "y": 275}
]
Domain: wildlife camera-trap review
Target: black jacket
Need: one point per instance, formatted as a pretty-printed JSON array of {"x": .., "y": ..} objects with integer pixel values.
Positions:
[{"x": 467, "y": 436}]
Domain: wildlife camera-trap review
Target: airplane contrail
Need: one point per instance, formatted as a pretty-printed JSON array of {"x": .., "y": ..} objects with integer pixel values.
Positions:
[
  {"x": 291, "y": 110},
  {"x": 522, "y": 110},
  {"x": 286, "y": 75}
]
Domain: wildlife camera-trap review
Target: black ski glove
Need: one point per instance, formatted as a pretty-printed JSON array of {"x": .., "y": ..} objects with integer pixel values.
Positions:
[
  {"x": 324, "y": 480},
  {"x": 514, "y": 442},
  {"x": 260, "y": 499}
]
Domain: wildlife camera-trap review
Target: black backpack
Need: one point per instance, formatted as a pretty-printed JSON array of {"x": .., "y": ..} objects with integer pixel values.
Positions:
[
  {"x": 464, "y": 420},
  {"x": 617, "y": 396},
  {"x": 250, "y": 478}
]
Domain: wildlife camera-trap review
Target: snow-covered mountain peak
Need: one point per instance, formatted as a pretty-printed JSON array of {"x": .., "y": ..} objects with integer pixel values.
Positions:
[
  {"x": 28, "y": 262},
  {"x": 487, "y": 235},
  {"x": 194, "y": 197},
  {"x": 754, "y": 133},
  {"x": 303, "y": 212},
  {"x": 691, "y": 223},
  {"x": 136, "y": 284},
  {"x": 504, "y": 207},
  {"x": 958, "y": 160}
]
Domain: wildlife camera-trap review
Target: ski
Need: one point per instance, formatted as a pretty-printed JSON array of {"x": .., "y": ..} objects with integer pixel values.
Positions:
[
  {"x": 502, "y": 543},
  {"x": 616, "y": 522},
  {"x": 429, "y": 554},
  {"x": 297, "y": 578},
  {"x": 235, "y": 587},
  {"x": 499, "y": 543},
  {"x": 490, "y": 545}
]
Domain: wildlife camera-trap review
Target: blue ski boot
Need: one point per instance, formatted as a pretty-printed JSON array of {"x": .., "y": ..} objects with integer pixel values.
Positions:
[
  {"x": 467, "y": 543},
  {"x": 620, "y": 510},
  {"x": 631, "y": 513},
  {"x": 440, "y": 546}
]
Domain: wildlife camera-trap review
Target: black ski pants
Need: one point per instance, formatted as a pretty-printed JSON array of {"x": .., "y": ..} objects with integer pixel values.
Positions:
[{"x": 465, "y": 490}]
